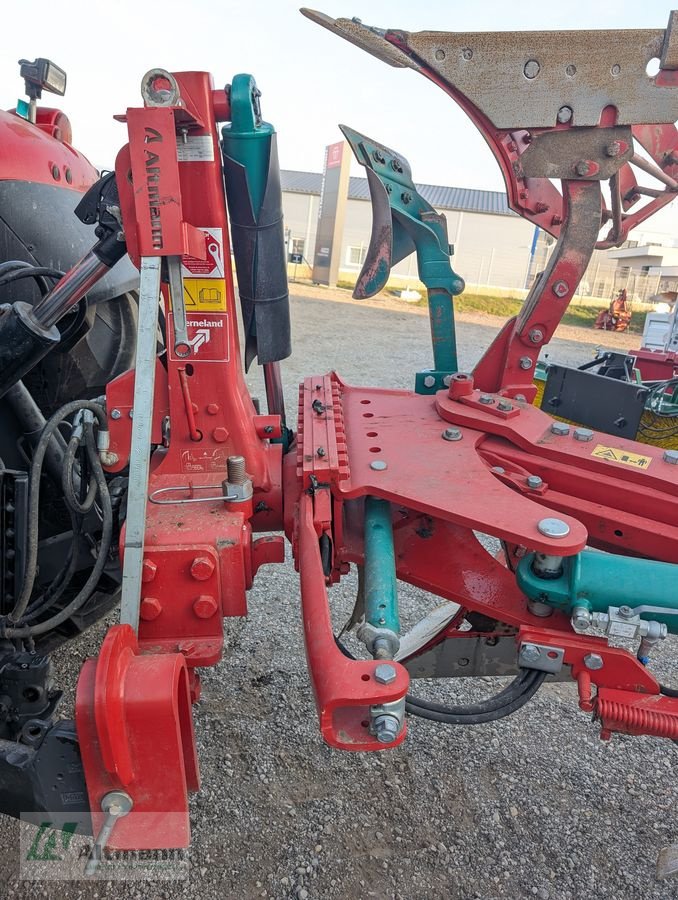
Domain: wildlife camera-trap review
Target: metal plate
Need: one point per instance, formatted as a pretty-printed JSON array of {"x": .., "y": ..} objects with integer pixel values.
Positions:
[{"x": 554, "y": 154}]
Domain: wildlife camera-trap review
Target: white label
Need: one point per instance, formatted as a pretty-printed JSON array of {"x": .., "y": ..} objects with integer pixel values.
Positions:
[
  {"x": 620, "y": 629},
  {"x": 195, "y": 148}
]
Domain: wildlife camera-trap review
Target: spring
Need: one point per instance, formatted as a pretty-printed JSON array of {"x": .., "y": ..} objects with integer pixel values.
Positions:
[{"x": 635, "y": 719}]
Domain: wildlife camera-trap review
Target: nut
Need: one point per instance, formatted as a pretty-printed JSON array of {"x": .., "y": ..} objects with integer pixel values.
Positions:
[{"x": 560, "y": 428}]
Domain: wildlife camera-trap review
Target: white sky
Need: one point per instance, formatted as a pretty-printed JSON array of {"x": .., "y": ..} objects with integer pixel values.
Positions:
[{"x": 310, "y": 79}]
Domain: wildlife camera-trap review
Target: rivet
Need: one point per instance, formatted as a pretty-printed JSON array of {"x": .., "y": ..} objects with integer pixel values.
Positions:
[{"x": 531, "y": 68}]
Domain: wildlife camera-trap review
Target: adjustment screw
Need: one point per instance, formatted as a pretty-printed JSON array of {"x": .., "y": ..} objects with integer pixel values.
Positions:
[
  {"x": 671, "y": 457},
  {"x": 486, "y": 399},
  {"x": 451, "y": 434},
  {"x": 429, "y": 381},
  {"x": 529, "y": 653},
  {"x": 560, "y": 428},
  {"x": 534, "y": 482},
  {"x": 525, "y": 362},
  {"x": 583, "y": 434},
  {"x": 593, "y": 661},
  {"x": 385, "y": 674},
  {"x": 202, "y": 568},
  {"x": 553, "y": 528},
  {"x": 560, "y": 288}
]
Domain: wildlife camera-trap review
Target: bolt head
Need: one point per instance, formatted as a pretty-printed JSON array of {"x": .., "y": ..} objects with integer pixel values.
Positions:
[
  {"x": 553, "y": 528},
  {"x": 593, "y": 661},
  {"x": 560, "y": 288},
  {"x": 148, "y": 570},
  {"x": 212, "y": 409},
  {"x": 529, "y": 653},
  {"x": 560, "y": 428},
  {"x": 525, "y": 362},
  {"x": 115, "y": 414},
  {"x": 386, "y": 729},
  {"x": 486, "y": 399},
  {"x": 671, "y": 457},
  {"x": 613, "y": 149},
  {"x": 505, "y": 406},
  {"x": 564, "y": 114},
  {"x": 220, "y": 435},
  {"x": 202, "y": 568},
  {"x": 446, "y": 380},
  {"x": 534, "y": 482},
  {"x": 531, "y": 68},
  {"x": 378, "y": 465},
  {"x": 205, "y": 606},
  {"x": 536, "y": 335},
  {"x": 150, "y": 609},
  {"x": 451, "y": 434},
  {"x": 385, "y": 673},
  {"x": 583, "y": 434},
  {"x": 429, "y": 381}
]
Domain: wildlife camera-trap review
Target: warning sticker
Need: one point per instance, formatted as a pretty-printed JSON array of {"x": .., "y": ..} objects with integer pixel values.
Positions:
[
  {"x": 205, "y": 294},
  {"x": 212, "y": 266},
  {"x": 614, "y": 454},
  {"x": 196, "y": 148}
]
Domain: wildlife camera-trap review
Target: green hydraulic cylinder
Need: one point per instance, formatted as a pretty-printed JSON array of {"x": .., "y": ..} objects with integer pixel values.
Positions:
[{"x": 381, "y": 587}]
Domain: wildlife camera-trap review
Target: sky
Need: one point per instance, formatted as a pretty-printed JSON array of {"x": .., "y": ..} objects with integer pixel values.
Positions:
[{"x": 310, "y": 79}]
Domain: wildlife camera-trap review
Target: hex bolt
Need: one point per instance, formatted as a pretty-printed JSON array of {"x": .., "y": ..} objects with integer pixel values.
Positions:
[
  {"x": 582, "y": 167},
  {"x": 486, "y": 399},
  {"x": 529, "y": 653},
  {"x": 525, "y": 362},
  {"x": 534, "y": 482},
  {"x": 379, "y": 157},
  {"x": 148, "y": 570},
  {"x": 531, "y": 68},
  {"x": 396, "y": 165},
  {"x": 593, "y": 661},
  {"x": 553, "y": 528},
  {"x": 202, "y": 568},
  {"x": 581, "y": 618},
  {"x": 235, "y": 467},
  {"x": 429, "y": 381},
  {"x": 613, "y": 149},
  {"x": 385, "y": 673},
  {"x": 149, "y": 609},
  {"x": 446, "y": 380},
  {"x": 212, "y": 409},
  {"x": 504, "y": 406},
  {"x": 536, "y": 335},
  {"x": 671, "y": 457},
  {"x": 560, "y": 428},
  {"x": 560, "y": 288},
  {"x": 564, "y": 114},
  {"x": 205, "y": 606},
  {"x": 386, "y": 729},
  {"x": 406, "y": 197},
  {"x": 467, "y": 53},
  {"x": 583, "y": 434},
  {"x": 625, "y": 612},
  {"x": 521, "y": 398},
  {"x": 378, "y": 465},
  {"x": 220, "y": 435},
  {"x": 451, "y": 434},
  {"x": 115, "y": 414}
]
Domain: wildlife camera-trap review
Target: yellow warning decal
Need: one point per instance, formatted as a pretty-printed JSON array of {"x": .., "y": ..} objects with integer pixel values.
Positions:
[
  {"x": 205, "y": 294},
  {"x": 614, "y": 454}
]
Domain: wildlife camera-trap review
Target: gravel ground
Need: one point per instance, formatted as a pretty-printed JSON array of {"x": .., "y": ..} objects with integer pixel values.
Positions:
[{"x": 532, "y": 806}]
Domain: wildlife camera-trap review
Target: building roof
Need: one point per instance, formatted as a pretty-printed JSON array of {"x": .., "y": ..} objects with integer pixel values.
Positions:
[{"x": 439, "y": 196}]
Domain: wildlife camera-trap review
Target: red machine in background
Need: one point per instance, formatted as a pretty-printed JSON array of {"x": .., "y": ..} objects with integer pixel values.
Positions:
[{"x": 397, "y": 482}]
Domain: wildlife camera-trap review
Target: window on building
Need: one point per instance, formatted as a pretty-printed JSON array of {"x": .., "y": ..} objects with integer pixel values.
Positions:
[{"x": 355, "y": 256}]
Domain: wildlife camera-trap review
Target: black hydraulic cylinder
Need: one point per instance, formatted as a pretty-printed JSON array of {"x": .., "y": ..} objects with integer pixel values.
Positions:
[{"x": 23, "y": 343}]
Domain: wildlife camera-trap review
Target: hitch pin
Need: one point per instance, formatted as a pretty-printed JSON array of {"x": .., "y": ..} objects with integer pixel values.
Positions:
[{"x": 115, "y": 805}]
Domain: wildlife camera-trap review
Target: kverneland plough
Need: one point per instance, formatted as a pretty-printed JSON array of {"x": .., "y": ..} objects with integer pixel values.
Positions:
[{"x": 181, "y": 487}]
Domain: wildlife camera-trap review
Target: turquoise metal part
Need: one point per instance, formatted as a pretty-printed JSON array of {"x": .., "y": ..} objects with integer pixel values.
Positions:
[
  {"x": 404, "y": 222},
  {"x": 596, "y": 581},
  {"x": 381, "y": 590}
]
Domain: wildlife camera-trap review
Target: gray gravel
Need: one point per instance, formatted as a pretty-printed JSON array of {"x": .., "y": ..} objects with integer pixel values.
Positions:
[{"x": 532, "y": 806}]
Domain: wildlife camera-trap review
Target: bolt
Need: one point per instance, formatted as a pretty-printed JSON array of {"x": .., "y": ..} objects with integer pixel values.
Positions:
[
  {"x": 467, "y": 53},
  {"x": 320, "y": 452},
  {"x": 451, "y": 434},
  {"x": 212, "y": 409},
  {"x": 553, "y": 528},
  {"x": 446, "y": 380},
  {"x": 235, "y": 468},
  {"x": 396, "y": 165},
  {"x": 582, "y": 167},
  {"x": 115, "y": 414},
  {"x": 56, "y": 174},
  {"x": 625, "y": 612},
  {"x": 540, "y": 207},
  {"x": 529, "y": 653},
  {"x": 581, "y": 618},
  {"x": 386, "y": 729},
  {"x": 531, "y": 68},
  {"x": 440, "y": 55},
  {"x": 378, "y": 156},
  {"x": 525, "y": 362},
  {"x": 385, "y": 673},
  {"x": 521, "y": 398},
  {"x": 570, "y": 70},
  {"x": 560, "y": 428},
  {"x": 150, "y": 609},
  {"x": 220, "y": 435},
  {"x": 378, "y": 465},
  {"x": 406, "y": 197},
  {"x": 69, "y": 176},
  {"x": 536, "y": 335},
  {"x": 268, "y": 429},
  {"x": 202, "y": 568},
  {"x": 429, "y": 381},
  {"x": 613, "y": 149},
  {"x": 560, "y": 288},
  {"x": 486, "y": 399},
  {"x": 205, "y": 606},
  {"x": 615, "y": 70},
  {"x": 583, "y": 434},
  {"x": 498, "y": 470},
  {"x": 534, "y": 482},
  {"x": 671, "y": 457},
  {"x": 564, "y": 114},
  {"x": 148, "y": 570},
  {"x": 593, "y": 661},
  {"x": 504, "y": 406}
]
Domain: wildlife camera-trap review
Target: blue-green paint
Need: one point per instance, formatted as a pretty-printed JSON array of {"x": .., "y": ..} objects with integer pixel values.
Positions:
[
  {"x": 381, "y": 588},
  {"x": 598, "y": 580}
]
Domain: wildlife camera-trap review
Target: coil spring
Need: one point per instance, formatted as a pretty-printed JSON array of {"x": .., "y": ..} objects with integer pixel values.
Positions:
[{"x": 636, "y": 719}]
